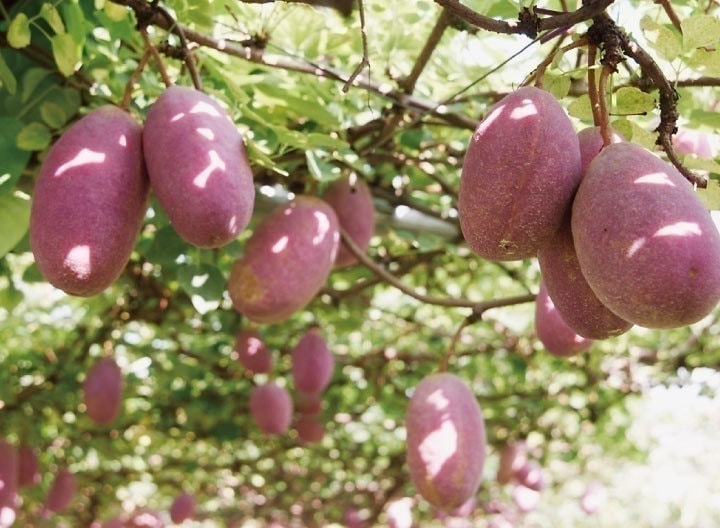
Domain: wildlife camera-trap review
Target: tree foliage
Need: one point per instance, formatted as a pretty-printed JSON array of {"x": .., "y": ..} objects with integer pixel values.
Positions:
[{"x": 389, "y": 92}]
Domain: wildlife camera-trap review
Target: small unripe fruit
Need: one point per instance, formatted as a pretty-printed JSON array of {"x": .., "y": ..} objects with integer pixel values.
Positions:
[
  {"x": 647, "y": 246},
  {"x": 89, "y": 202},
  {"x": 312, "y": 363},
  {"x": 512, "y": 458},
  {"x": 62, "y": 492},
  {"x": 351, "y": 199},
  {"x": 252, "y": 352},
  {"x": 182, "y": 508},
  {"x": 445, "y": 441},
  {"x": 554, "y": 333},
  {"x": 102, "y": 391},
  {"x": 271, "y": 408},
  {"x": 519, "y": 175},
  {"x": 531, "y": 475},
  {"x": 574, "y": 300},
  {"x": 287, "y": 260},
  {"x": 28, "y": 467},
  {"x": 198, "y": 167},
  {"x": 309, "y": 430}
]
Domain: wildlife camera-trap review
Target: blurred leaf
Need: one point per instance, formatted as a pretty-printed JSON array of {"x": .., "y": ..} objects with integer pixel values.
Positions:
[
  {"x": 205, "y": 285},
  {"x": 67, "y": 53},
  {"x": 34, "y": 136},
  {"x": 15, "y": 219},
  {"x": 52, "y": 17},
  {"x": 7, "y": 78},
  {"x": 31, "y": 80},
  {"x": 14, "y": 158},
  {"x": 557, "y": 84},
  {"x": 711, "y": 195},
  {"x": 700, "y": 31},
  {"x": 580, "y": 108},
  {"x": 53, "y": 114},
  {"x": 18, "y": 34},
  {"x": 633, "y": 101},
  {"x": 665, "y": 41}
]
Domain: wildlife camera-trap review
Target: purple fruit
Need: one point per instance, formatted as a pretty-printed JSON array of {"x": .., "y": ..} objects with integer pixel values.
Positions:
[
  {"x": 309, "y": 430},
  {"x": 555, "y": 335},
  {"x": 9, "y": 469},
  {"x": 198, "y": 167},
  {"x": 512, "y": 458},
  {"x": 574, "y": 300},
  {"x": 308, "y": 405},
  {"x": 591, "y": 143},
  {"x": 28, "y": 467},
  {"x": 519, "y": 175},
  {"x": 312, "y": 363},
  {"x": 287, "y": 260},
  {"x": 62, "y": 492},
  {"x": 351, "y": 199},
  {"x": 645, "y": 242},
  {"x": 445, "y": 441},
  {"x": 182, "y": 508},
  {"x": 102, "y": 391},
  {"x": 271, "y": 408},
  {"x": 89, "y": 202},
  {"x": 252, "y": 352}
]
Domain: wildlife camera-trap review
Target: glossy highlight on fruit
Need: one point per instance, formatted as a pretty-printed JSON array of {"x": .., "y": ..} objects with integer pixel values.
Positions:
[
  {"x": 645, "y": 242},
  {"x": 287, "y": 260},
  {"x": 89, "y": 202},
  {"x": 252, "y": 352},
  {"x": 198, "y": 167},
  {"x": 445, "y": 441},
  {"x": 102, "y": 391},
  {"x": 519, "y": 175},
  {"x": 554, "y": 333},
  {"x": 351, "y": 199}
]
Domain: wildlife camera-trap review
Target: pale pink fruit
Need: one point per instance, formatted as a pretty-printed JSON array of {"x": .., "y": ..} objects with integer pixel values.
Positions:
[
  {"x": 182, "y": 508},
  {"x": 309, "y": 430},
  {"x": 29, "y": 467},
  {"x": 271, "y": 408},
  {"x": 312, "y": 363},
  {"x": 102, "y": 391},
  {"x": 252, "y": 352},
  {"x": 525, "y": 499},
  {"x": 62, "y": 492},
  {"x": 512, "y": 458}
]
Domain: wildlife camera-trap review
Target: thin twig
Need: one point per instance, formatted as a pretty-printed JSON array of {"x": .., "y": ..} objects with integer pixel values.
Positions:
[
  {"x": 365, "y": 60},
  {"x": 540, "y": 70},
  {"x": 604, "y": 113},
  {"x": 188, "y": 59},
  {"x": 672, "y": 15},
  {"x": 452, "y": 302},
  {"x": 125, "y": 104},
  {"x": 470, "y": 319},
  {"x": 158, "y": 59}
]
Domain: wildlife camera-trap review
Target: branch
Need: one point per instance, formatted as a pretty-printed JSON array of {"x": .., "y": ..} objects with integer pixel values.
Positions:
[
  {"x": 344, "y": 7},
  {"x": 365, "y": 61},
  {"x": 451, "y": 302}
]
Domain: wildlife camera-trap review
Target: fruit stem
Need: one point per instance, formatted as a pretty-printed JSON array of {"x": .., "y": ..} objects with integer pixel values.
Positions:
[
  {"x": 592, "y": 84},
  {"x": 604, "y": 115},
  {"x": 127, "y": 95},
  {"x": 158, "y": 59}
]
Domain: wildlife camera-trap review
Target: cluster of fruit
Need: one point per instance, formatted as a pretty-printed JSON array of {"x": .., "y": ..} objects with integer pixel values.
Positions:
[
  {"x": 621, "y": 237},
  {"x": 92, "y": 192}
]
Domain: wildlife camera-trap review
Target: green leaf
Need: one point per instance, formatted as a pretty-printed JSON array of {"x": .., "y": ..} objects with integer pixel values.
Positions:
[
  {"x": 700, "y": 31},
  {"x": 558, "y": 85},
  {"x": 52, "y": 17},
  {"x": 66, "y": 52},
  {"x": 7, "y": 77},
  {"x": 15, "y": 219},
  {"x": 53, "y": 114},
  {"x": 205, "y": 285},
  {"x": 665, "y": 41},
  {"x": 31, "y": 80},
  {"x": 75, "y": 21},
  {"x": 18, "y": 34},
  {"x": 581, "y": 108},
  {"x": 631, "y": 131},
  {"x": 115, "y": 12},
  {"x": 633, "y": 101},
  {"x": 707, "y": 61},
  {"x": 166, "y": 247},
  {"x": 14, "y": 158},
  {"x": 34, "y": 136},
  {"x": 711, "y": 195}
]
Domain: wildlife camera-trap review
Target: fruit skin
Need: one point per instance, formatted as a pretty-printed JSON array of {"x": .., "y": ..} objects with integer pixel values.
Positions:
[
  {"x": 688, "y": 141},
  {"x": 309, "y": 430},
  {"x": 198, "y": 167},
  {"x": 312, "y": 363},
  {"x": 271, "y": 408},
  {"x": 519, "y": 175},
  {"x": 9, "y": 467},
  {"x": 575, "y": 302},
  {"x": 351, "y": 199},
  {"x": 252, "y": 352},
  {"x": 445, "y": 441},
  {"x": 28, "y": 467},
  {"x": 102, "y": 391},
  {"x": 182, "y": 508},
  {"x": 62, "y": 491},
  {"x": 555, "y": 335},
  {"x": 512, "y": 459},
  {"x": 89, "y": 202},
  {"x": 591, "y": 142},
  {"x": 645, "y": 242},
  {"x": 287, "y": 260},
  {"x": 308, "y": 405},
  {"x": 531, "y": 476}
]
